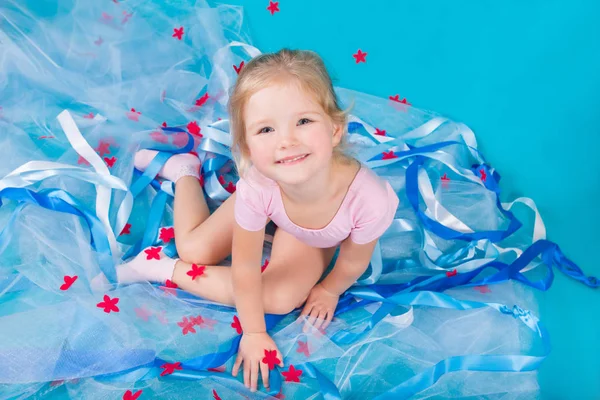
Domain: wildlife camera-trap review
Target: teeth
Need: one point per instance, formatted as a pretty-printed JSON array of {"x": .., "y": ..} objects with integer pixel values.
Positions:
[{"x": 293, "y": 159}]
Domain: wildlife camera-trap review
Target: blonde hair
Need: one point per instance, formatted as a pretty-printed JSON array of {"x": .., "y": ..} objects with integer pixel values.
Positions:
[{"x": 307, "y": 68}]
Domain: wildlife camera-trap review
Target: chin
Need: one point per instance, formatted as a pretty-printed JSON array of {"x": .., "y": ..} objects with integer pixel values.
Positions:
[{"x": 291, "y": 176}]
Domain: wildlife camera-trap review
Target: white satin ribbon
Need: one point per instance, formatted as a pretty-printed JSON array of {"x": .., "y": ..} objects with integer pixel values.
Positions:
[{"x": 103, "y": 193}]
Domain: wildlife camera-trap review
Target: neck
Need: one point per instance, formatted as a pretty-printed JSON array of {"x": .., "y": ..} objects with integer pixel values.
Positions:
[{"x": 315, "y": 189}]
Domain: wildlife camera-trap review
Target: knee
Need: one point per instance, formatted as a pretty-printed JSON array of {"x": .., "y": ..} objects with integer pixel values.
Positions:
[
  {"x": 282, "y": 300},
  {"x": 193, "y": 253}
]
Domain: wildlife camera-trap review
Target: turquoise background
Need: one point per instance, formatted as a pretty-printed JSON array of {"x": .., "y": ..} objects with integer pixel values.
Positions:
[{"x": 524, "y": 75}]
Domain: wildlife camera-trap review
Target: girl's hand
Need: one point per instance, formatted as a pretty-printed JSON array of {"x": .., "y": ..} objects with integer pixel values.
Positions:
[
  {"x": 319, "y": 307},
  {"x": 257, "y": 351}
]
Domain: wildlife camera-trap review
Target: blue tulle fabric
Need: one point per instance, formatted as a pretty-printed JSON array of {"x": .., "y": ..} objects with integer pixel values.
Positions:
[{"x": 446, "y": 308}]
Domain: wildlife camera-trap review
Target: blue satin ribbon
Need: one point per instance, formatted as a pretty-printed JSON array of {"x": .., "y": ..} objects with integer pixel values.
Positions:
[
  {"x": 61, "y": 201},
  {"x": 494, "y": 363},
  {"x": 412, "y": 192},
  {"x": 392, "y": 296}
]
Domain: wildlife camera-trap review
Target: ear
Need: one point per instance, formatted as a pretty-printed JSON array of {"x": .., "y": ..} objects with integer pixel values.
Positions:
[{"x": 338, "y": 131}]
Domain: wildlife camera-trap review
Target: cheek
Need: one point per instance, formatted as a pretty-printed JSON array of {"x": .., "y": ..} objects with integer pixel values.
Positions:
[
  {"x": 321, "y": 140},
  {"x": 259, "y": 151}
]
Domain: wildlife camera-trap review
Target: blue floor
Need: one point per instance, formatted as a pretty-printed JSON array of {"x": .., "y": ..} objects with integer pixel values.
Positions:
[{"x": 524, "y": 76}]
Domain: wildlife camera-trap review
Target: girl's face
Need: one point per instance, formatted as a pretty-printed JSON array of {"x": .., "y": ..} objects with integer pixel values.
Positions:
[{"x": 289, "y": 135}]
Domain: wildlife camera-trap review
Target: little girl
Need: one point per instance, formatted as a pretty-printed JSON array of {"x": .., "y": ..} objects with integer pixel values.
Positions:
[{"x": 288, "y": 139}]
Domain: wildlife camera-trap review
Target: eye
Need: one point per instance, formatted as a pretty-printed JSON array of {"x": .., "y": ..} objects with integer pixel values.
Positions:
[
  {"x": 304, "y": 121},
  {"x": 266, "y": 129}
]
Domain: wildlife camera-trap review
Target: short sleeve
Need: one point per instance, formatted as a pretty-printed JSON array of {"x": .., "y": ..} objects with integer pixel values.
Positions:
[
  {"x": 375, "y": 216},
  {"x": 249, "y": 209}
]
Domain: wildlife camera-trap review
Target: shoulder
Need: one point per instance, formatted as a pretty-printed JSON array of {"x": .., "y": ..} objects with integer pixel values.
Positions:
[
  {"x": 254, "y": 186},
  {"x": 372, "y": 196},
  {"x": 256, "y": 180}
]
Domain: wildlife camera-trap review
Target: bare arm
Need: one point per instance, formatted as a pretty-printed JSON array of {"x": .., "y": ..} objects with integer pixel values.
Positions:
[
  {"x": 351, "y": 263},
  {"x": 246, "y": 251}
]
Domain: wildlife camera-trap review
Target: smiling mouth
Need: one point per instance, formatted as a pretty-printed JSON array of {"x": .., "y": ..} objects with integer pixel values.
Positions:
[{"x": 292, "y": 160}]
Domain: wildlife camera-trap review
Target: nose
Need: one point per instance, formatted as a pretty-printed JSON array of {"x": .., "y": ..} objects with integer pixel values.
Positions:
[{"x": 287, "y": 138}]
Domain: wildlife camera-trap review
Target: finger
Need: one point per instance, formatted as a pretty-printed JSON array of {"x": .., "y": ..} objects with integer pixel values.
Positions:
[
  {"x": 246, "y": 367},
  {"x": 305, "y": 310},
  {"x": 253, "y": 376},
  {"x": 328, "y": 319},
  {"x": 280, "y": 356},
  {"x": 320, "y": 319},
  {"x": 306, "y": 323},
  {"x": 236, "y": 365},
  {"x": 264, "y": 371},
  {"x": 313, "y": 316}
]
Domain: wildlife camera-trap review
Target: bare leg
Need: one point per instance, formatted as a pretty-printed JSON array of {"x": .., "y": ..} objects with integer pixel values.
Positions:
[
  {"x": 293, "y": 270},
  {"x": 200, "y": 236}
]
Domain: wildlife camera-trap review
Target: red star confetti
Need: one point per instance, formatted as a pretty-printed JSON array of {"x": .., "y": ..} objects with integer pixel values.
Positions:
[
  {"x": 69, "y": 280},
  {"x": 143, "y": 313},
  {"x": 126, "y": 230},
  {"x": 186, "y": 326},
  {"x": 215, "y": 395},
  {"x": 129, "y": 395},
  {"x": 178, "y": 32},
  {"x": 445, "y": 178},
  {"x": 396, "y": 98},
  {"x": 197, "y": 320},
  {"x": 110, "y": 161},
  {"x": 162, "y": 317},
  {"x": 218, "y": 369},
  {"x": 230, "y": 187},
  {"x": 159, "y": 137},
  {"x": 483, "y": 289},
  {"x": 46, "y": 137},
  {"x": 134, "y": 115},
  {"x": 180, "y": 139},
  {"x": 379, "y": 132},
  {"x": 200, "y": 102},
  {"x": 388, "y": 155},
  {"x": 360, "y": 56},
  {"x": 109, "y": 304},
  {"x": 153, "y": 253},
  {"x": 170, "y": 287},
  {"x": 454, "y": 272},
  {"x": 82, "y": 160},
  {"x": 209, "y": 323},
  {"x": 193, "y": 128},
  {"x": 169, "y": 368},
  {"x": 303, "y": 348},
  {"x": 264, "y": 266},
  {"x": 164, "y": 125},
  {"x": 279, "y": 395},
  {"x": 98, "y": 41},
  {"x": 292, "y": 374},
  {"x": 483, "y": 174},
  {"x": 126, "y": 17},
  {"x": 103, "y": 148},
  {"x": 106, "y": 17},
  {"x": 238, "y": 68},
  {"x": 89, "y": 116},
  {"x": 273, "y": 7},
  {"x": 271, "y": 359},
  {"x": 166, "y": 234},
  {"x": 236, "y": 325},
  {"x": 196, "y": 271}
]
